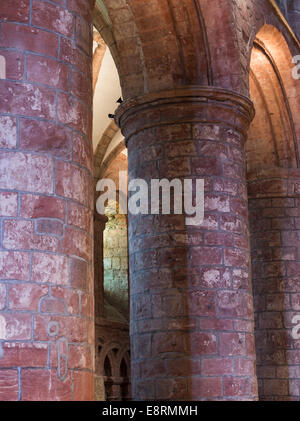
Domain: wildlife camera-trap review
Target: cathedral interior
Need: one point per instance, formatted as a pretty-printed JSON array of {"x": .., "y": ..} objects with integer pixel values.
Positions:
[{"x": 144, "y": 307}]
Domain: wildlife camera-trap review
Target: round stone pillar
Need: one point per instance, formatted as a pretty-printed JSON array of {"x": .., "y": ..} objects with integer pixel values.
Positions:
[
  {"x": 274, "y": 204},
  {"x": 191, "y": 299},
  {"x": 46, "y": 201}
]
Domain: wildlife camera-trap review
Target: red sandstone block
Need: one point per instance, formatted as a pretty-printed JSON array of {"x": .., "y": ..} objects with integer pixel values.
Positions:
[
  {"x": 215, "y": 278},
  {"x": 216, "y": 366},
  {"x": 174, "y": 132},
  {"x": 34, "y": 206},
  {"x": 234, "y": 171},
  {"x": 141, "y": 307},
  {"x": 80, "y": 357},
  {"x": 50, "y": 268},
  {"x": 203, "y": 343},
  {"x": 70, "y": 297},
  {"x": 24, "y": 354},
  {"x": 8, "y": 132},
  {"x": 171, "y": 257},
  {"x": 71, "y": 54},
  {"x": 231, "y": 223},
  {"x": 18, "y": 234},
  {"x": 151, "y": 153},
  {"x": 167, "y": 342},
  {"x": 293, "y": 268},
  {"x": 175, "y": 167},
  {"x": 218, "y": 239},
  {"x": 87, "y": 305},
  {"x": 14, "y": 61},
  {"x": 26, "y": 172},
  {"x": 206, "y": 256},
  {"x": 215, "y": 324},
  {"x": 2, "y": 296},
  {"x": 152, "y": 368},
  {"x": 186, "y": 148},
  {"x": 83, "y": 35},
  {"x": 232, "y": 344},
  {"x": 212, "y": 149},
  {"x": 80, "y": 217},
  {"x": 83, "y": 386},
  {"x": 72, "y": 182},
  {"x": 293, "y": 356},
  {"x": 234, "y": 386},
  {"x": 52, "y": 306},
  {"x": 82, "y": 8},
  {"x": 142, "y": 346},
  {"x": 44, "y": 385},
  {"x": 236, "y": 257},
  {"x": 9, "y": 385},
  {"x": 270, "y": 320},
  {"x": 210, "y": 222},
  {"x": 145, "y": 389},
  {"x": 73, "y": 328},
  {"x": 202, "y": 303},
  {"x": 216, "y": 203},
  {"x": 15, "y": 11},
  {"x": 231, "y": 303},
  {"x": 79, "y": 274},
  {"x": 244, "y": 367},
  {"x": 53, "y": 18},
  {"x": 8, "y": 204},
  {"x": 207, "y": 166},
  {"x": 82, "y": 152},
  {"x": 205, "y": 387},
  {"x": 77, "y": 243},
  {"x": 49, "y": 226},
  {"x": 81, "y": 87},
  {"x": 25, "y": 296},
  {"x": 171, "y": 389},
  {"x": 276, "y": 387},
  {"x": 48, "y": 71},
  {"x": 166, "y": 304},
  {"x": 72, "y": 112},
  {"x": 15, "y": 326},
  {"x": 226, "y": 186},
  {"x": 27, "y": 99},
  {"x": 14, "y": 266},
  {"x": 28, "y": 38},
  {"x": 179, "y": 368},
  {"x": 206, "y": 132}
]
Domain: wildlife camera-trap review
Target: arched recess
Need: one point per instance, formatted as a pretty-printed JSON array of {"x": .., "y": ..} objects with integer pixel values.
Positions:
[
  {"x": 272, "y": 152},
  {"x": 114, "y": 368},
  {"x": 163, "y": 44},
  {"x": 272, "y": 140}
]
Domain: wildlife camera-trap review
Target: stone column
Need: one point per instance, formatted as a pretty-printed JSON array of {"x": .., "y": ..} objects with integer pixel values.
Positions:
[
  {"x": 274, "y": 203},
  {"x": 191, "y": 299},
  {"x": 46, "y": 287}
]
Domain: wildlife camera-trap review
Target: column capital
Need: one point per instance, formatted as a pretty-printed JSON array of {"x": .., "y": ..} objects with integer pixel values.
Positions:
[{"x": 190, "y": 104}]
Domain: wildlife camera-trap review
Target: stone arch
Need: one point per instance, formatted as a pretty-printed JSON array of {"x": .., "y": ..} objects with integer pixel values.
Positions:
[
  {"x": 102, "y": 146},
  {"x": 163, "y": 44},
  {"x": 272, "y": 138},
  {"x": 112, "y": 354},
  {"x": 273, "y": 190}
]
